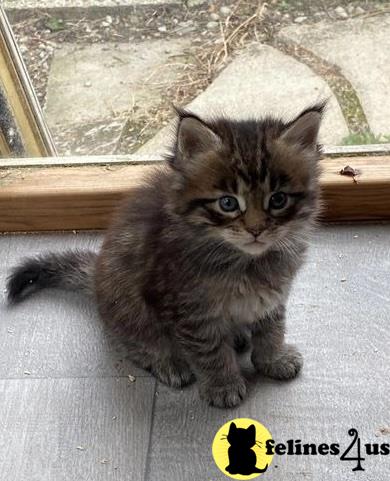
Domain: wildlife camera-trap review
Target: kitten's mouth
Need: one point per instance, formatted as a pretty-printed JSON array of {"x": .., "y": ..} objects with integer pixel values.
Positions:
[
  {"x": 255, "y": 246},
  {"x": 255, "y": 242}
]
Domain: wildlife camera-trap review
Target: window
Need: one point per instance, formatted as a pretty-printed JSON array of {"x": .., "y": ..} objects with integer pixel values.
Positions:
[{"x": 105, "y": 83}]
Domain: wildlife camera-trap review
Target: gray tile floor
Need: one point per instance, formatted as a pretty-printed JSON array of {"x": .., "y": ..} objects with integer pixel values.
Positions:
[{"x": 69, "y": 413}]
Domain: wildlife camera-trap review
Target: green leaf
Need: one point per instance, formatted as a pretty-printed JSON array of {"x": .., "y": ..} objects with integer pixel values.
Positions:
[{"x": 55, "y": 24}]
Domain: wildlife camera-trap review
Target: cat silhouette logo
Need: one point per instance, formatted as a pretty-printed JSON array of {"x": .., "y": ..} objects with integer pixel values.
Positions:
[{"x": 239, "y": 449}]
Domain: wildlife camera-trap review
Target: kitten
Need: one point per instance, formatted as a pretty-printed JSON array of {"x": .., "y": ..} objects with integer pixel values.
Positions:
[
  {"x": 207, "y": 247},
  {"x": 242, "y": 458}
]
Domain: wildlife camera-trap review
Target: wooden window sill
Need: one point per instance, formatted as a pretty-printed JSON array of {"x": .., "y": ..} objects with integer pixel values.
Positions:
[{"x": 81, "y": 193}]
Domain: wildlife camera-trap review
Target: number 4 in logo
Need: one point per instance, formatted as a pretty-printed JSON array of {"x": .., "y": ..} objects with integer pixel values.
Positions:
[{"x": 358, "y": 458}]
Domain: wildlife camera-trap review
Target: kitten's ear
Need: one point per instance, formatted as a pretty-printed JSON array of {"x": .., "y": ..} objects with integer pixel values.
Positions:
[
  {"x": 252, "y": 431},
  {"x": 194, "y": 137},
  {"x": 232, "y": 428},
  {"x": 303, "y": 130}
]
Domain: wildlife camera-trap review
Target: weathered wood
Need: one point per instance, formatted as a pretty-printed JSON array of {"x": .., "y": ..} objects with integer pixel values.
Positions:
[
  {"x": 61, "y": 198},
  {"x": 365, "y": 197}
]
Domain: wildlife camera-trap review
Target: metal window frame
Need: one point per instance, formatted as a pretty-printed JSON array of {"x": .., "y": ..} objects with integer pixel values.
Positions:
[{"x": 25, "y": 132}]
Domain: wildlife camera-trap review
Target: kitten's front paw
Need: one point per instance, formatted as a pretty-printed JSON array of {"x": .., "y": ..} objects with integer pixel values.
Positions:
[
  {"x": 173, "y": 373},
  {"x": 286, "y": 365},
  {"x": 228, "y": 395}
]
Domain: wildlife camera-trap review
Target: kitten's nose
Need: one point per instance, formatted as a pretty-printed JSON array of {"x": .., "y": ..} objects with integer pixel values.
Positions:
[{"x": 254, "y": 230}]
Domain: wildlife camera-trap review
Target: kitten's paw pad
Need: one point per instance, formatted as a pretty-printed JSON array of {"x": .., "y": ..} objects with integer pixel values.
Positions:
[
  {"x": 227, "y": 396},
  {"x": 286, "y": 366},
  {"x": 173, "y": 373}
]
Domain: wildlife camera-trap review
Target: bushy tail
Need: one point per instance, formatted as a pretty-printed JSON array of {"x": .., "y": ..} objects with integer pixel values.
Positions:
[{"x": 71, "y": 270}]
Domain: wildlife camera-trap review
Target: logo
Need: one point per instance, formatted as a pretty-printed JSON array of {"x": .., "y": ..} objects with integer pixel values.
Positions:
[
  {"x": 239, "y": 449},
  {"x": 354, "y": 451},
  {"x": 243, "y": 449}
]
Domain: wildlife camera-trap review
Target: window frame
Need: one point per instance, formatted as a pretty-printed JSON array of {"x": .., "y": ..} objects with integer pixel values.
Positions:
[
  {"x": 68, "y": 193},
  {"x": 19, "y": 99},
  {"x": 72, "y": 193}
]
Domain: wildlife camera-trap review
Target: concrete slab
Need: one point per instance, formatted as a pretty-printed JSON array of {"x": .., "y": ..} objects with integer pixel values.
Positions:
[
  {"x": 263, "y": 81},
  {"x": 95, "y": 82},
  {"x": 361, "y": 48}
]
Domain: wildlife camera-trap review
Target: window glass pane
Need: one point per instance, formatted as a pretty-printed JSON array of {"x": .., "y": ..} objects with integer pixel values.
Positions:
[{"x": 107, "y": 72}]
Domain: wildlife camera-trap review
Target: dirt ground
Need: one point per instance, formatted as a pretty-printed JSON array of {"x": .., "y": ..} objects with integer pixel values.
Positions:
[{"x": 217, "y": 30}]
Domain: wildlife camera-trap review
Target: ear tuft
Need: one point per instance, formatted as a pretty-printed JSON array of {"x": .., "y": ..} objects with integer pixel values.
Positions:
[
  {"x": 194, "y": 136},
  {"x": 303, "y": 130}
]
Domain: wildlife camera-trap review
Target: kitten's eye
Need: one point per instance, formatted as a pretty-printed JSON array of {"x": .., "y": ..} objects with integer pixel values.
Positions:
[
  {"x": 228, "y": 203},
  {"x": 278, "y": 200}
]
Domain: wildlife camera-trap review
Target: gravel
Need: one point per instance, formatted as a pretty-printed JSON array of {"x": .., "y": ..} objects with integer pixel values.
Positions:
[
  {"x": 225, "y": 11},
  {"x": 341, "y": 12},
  {"x": 212, "y": 25}
]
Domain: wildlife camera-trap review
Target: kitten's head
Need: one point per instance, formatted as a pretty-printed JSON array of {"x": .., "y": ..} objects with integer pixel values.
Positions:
[
  {"x": 252, "y": 184},
  {"x": 241, "y": 437}
]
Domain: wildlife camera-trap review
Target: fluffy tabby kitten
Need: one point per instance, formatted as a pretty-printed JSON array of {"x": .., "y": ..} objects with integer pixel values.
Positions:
[{"x": 207, "y": 247}]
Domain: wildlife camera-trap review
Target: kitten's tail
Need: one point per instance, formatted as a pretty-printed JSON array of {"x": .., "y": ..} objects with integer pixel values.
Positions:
[{"x": 71, "y": 270}]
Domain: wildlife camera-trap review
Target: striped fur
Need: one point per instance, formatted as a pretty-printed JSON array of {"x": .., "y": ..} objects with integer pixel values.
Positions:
[{"x": 179, "y": 279}]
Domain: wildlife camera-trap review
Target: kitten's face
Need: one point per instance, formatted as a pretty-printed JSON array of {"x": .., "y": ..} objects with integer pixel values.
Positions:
[{"x": 253, "y": 184}]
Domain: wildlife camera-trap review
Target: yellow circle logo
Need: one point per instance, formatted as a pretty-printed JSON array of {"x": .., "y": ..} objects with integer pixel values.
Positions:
[{"x": 239, "y": 449}]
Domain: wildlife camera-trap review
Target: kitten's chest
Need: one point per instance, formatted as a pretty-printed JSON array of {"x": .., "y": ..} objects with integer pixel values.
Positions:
[{"x": 244, "y": 303}]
